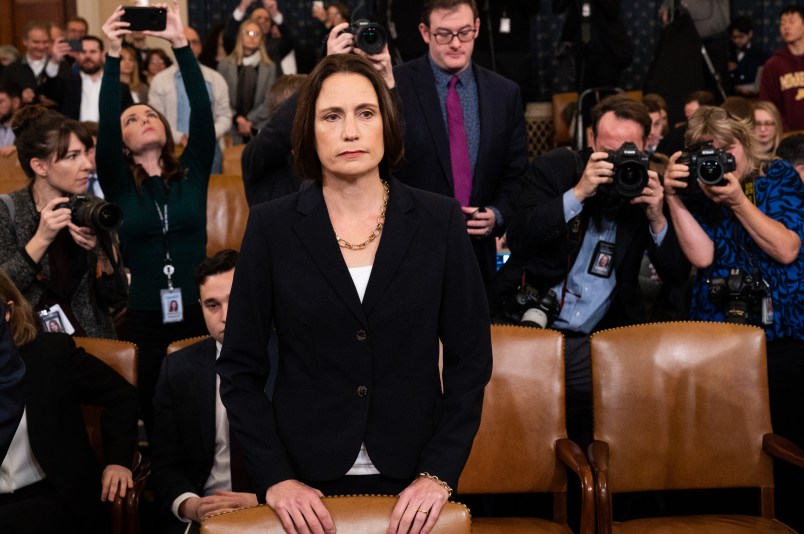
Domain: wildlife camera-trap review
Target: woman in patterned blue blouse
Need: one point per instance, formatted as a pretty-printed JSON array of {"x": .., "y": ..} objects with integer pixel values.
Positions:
[{"x": 753, "y": 222}]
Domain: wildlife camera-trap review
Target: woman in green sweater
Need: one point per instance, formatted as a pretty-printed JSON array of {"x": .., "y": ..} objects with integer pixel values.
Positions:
[{"x": 163, "y": 198}]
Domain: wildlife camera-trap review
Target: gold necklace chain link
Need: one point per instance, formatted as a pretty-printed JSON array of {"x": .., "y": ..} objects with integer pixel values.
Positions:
[{"x": 377, "y": 229}]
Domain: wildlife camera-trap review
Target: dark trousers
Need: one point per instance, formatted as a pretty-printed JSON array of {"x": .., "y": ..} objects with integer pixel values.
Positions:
[
  {"x": 360, "y": 485},
  {"x": 578, "y": 380},
  {"x": 786, "y": 388},
  {"x": 145, "y": 329},
  {"x": 39, "y": 508}
]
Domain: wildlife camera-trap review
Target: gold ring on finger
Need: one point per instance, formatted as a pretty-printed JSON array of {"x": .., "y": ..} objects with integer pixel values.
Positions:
[{"x": 423, "y": 511}]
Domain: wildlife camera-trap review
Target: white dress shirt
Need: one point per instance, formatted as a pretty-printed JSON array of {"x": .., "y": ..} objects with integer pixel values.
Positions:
[{"x": 20, "y": 468}]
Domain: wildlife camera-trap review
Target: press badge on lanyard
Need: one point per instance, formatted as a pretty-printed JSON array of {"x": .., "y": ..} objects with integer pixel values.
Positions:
[{"x": 170, "y": 298}]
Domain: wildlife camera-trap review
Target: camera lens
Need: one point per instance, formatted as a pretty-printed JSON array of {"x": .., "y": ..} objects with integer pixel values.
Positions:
[
  {"x": 710, "y": 171},
  {"x": 107, "y": 216},
  {"x": 371, "y": 38},
  {"x": 630, "y": 179}
]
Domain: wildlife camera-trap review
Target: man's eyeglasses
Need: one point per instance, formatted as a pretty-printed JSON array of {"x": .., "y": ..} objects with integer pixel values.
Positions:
[{"x": 443, "y": 37}]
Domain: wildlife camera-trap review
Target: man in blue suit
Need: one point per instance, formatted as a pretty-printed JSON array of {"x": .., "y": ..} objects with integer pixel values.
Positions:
[{"x": 477, "y": 156}]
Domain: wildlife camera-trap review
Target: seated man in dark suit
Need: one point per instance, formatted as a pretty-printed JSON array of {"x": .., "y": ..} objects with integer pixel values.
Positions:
[{"x": 193, "y": 473}]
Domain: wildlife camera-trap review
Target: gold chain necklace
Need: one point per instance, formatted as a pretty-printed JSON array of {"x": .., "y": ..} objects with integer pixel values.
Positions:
[{"x": 377, "y": 229}]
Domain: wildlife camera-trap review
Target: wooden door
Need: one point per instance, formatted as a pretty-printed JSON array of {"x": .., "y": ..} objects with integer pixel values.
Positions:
[{"x": 17, "y": 13}]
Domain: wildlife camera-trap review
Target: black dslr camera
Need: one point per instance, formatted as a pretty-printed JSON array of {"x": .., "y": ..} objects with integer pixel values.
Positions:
[
  {"x": 531, "y": 307},
  {"x": 94, "y": 212},
  {"x": 370, "y": 37},
  {"x": 706, "y": 163},
  {"x": 630, "y": 170},
  {"x": 740, "y": 296}
]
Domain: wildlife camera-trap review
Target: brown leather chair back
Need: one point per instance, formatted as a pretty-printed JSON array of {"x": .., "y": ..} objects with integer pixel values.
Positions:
[
  {"x": 180, "y": 344},
  {"x": 523, "y": 416},
  {"x": 227, "y": 212},
  {"x": 120, "y": 356},
  {"x": 356, "y": 514},
  {"x": 682, "y": 405},
  {"x": 11, "y": 175},
  {"x": 232, "y": 158},
  {"x": 562, "y": 134}
]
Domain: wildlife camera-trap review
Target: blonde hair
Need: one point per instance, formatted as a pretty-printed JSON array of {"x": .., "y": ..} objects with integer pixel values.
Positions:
[
  {"x": 135, "y": 82},
  {"x": 238, "y": 54},
  {"x": 21, "y": 323},
  {"x": 771, "y": 109},
  {"x": 712, "y": 123}
]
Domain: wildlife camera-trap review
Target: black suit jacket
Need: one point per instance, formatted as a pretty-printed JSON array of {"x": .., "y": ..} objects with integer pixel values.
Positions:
[
  {"x": 20, "y": 74},
  {"x": 12, "y": 392},
  {"x": 66, "y": 91},
  {"x": 59, "y": 378},
  {"x": 183, "y": 441},
  {"x": 538, "y": 237},
  {"x": 352, "y": 372},
  {"x": 502, "y": 154}
]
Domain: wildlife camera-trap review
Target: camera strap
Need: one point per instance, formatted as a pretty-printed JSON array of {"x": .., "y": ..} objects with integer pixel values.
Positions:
[{"x": 749, "y": 188}]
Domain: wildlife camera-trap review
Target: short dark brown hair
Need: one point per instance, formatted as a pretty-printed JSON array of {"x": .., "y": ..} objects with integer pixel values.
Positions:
[
  {"x": 306, "y": 162},
  {"x": 42, "y": 133},
  {"x": 625, "y": 108},
  {"x": 222, "y": 262},
  {"x": 448, "y": 5}
]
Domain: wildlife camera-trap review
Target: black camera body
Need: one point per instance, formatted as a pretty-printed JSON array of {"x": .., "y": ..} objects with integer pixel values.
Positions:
[
  {"x": 533, "y": 307},
  {"x": 707, "y": 164},
  {"x": 370, "y": 37},
  {"x": 630, "y": 170},
  {"x": 94, "y": 212},
  {"x": 739, "y": 295}
]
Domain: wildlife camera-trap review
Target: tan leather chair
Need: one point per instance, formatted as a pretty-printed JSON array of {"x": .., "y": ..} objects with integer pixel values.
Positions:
[
  {"x": 11, "y": 175},
  {"x": 562, "y": 136},
  {"x": 122, "y": 357},
  {"x": 683, "y": 405},
  {"x": 227, "y": 212},
  {"x": 522, "y": 445},
  {"x": 355, "y": 514},
  {"x": 232, "y": 160},
  {"x": 180, "y": 344}
]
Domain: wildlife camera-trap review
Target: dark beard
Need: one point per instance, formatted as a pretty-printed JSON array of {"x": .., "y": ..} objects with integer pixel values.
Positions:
[
  {"x": 7, "y": 117},
  {"x": 92, "y": 70}
]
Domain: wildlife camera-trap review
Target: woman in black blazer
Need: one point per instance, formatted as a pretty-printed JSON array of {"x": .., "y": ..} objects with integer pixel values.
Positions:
[
  {"x": 359, "y": 277},
  {"x": 51, "y": 480}
]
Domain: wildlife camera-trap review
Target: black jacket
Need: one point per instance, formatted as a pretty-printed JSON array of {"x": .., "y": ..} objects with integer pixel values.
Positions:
[{"x": 352, "y": 372}]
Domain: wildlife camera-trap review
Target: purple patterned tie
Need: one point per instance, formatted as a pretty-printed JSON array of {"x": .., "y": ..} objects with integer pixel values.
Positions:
[{"x": 458, "y": 146}]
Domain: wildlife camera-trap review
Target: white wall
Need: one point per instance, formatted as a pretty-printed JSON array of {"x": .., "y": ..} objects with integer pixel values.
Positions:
[{"x": 97, "y": 11}]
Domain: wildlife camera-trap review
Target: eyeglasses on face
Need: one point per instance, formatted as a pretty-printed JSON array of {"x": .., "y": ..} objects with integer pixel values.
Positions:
[
  {"x": 251, "y": 33},
  {"x": 765, "y": 124},
  {"x": 443, "y": 37}
]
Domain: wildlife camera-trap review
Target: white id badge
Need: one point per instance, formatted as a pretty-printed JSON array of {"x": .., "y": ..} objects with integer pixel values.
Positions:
[
  {"x": 767, "y": 311},
  {"x": 172, "y": 310},
  {"x": 54, "y": 319},
  {"x": 505, "y": 25}
]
